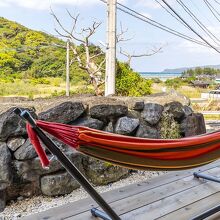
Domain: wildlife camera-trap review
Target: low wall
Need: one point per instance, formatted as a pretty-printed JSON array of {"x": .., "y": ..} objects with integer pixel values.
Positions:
[{"x": 21, "y": 174}]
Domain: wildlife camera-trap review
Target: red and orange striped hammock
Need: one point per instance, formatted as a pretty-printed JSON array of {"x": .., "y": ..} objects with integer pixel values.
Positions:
[{"x": 132, "y": 152}]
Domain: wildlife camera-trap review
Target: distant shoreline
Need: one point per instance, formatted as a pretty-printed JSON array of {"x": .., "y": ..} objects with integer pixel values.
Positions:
[{"x": 161, "y": 75}]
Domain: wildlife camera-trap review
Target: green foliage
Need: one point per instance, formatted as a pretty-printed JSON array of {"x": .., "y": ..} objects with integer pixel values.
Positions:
[
  {"x": 130, "y": 83},
  {"x": 156, "y": 80},
  {"x": 44, "y": 81},
  {"x": 169, "y": 128},
  {"x": 25, "y": 53},
  {"x": 200, "y": 71},
  {"x": 173, "y": 83}
]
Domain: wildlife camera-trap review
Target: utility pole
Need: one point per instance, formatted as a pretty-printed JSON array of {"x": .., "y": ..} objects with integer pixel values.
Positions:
[
  {"x": 111, "y": 48},
  {"x": 67, "y": 68}
]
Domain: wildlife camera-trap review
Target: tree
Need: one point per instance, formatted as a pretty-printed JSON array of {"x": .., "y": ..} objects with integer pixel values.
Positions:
[
  {"x": 86, "y": 55},
  {"x": 146, "y": 54}
]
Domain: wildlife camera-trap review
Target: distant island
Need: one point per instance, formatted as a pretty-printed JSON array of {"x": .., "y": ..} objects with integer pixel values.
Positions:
[{"x": 180, "y": 70}]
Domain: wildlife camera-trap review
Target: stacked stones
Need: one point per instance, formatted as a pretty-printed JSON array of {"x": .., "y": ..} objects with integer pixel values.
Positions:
[{"x": 21, "y": 174}]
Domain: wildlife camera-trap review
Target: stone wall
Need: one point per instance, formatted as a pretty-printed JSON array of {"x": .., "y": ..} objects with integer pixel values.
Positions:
[{"x": 21, "y": 174}]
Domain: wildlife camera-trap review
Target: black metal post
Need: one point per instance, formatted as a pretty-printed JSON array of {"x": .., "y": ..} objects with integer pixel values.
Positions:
[
  {"x": 69, "y": 166},
  {"x": 97, "y": 213},
  {"x": 207, "y": 177},
  {"x": 207, "y": 213},
  {"x": 213, "y": 210}
]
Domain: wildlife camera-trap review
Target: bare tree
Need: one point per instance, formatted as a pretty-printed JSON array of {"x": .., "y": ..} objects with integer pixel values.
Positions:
[
  {"x": 83, "y": 37},
  {"x": 146, "y": 54},
  {"x": 121, "y": 33}
]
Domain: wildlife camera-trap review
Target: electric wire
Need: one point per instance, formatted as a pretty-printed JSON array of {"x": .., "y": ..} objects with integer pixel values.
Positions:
[
  {"x": 158, "y": 25},
  {"x": 200, "y": 11},
  {"x": 171, "y": 13},
  {"x": 217, "y": 2},
  {"x": 201, "y": 25},
  {"x": 211, "y": 9},
  {"x": 192, "y": 29}
]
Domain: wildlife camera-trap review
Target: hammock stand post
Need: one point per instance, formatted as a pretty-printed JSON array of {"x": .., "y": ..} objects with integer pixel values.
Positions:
[
  {"x": 108, "y": 213},
  {"x": 213, "y": 210}
]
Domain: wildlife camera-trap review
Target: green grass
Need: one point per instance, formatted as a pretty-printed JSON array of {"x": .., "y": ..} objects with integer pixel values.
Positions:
[
  {"x": 212, "y": 117},
  {"x": 41, "y": 87}
]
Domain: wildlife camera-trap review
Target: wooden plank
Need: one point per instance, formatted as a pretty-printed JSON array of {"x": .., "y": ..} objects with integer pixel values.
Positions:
[
  {"x": 194, "y": 209},
  {"x": 150, "y": 196},
  {"x": 171, "y": 203},
  {"x": 83, "y": 205}
]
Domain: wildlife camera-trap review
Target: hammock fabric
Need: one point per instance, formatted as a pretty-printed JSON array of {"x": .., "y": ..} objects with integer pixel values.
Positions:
[{"x": 132, "y": 152}]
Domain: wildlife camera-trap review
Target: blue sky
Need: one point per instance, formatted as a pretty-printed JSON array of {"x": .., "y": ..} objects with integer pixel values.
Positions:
[{"x": 176, "y": 52}]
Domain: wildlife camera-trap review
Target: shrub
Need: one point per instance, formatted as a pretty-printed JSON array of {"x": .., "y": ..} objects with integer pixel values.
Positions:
[
  {"x": 36, "y": 81},
  {"x": 169, "y": 128},
  {"x": 130, "y": 83},
  {"x": 173, "y": 83}
]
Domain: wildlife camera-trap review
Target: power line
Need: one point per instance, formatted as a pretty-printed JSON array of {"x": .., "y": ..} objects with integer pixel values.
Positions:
[
  {"x": 217, "y": 2},
  {"x": 157, "y": 24},
  {"x": 203, "y": 14},
  {"x": 169, "y": 31},
  {"x": 211, "y": 8},
  {"x": 165, "y": 28},
  {"x": 191, "y": 27},
  {"x": 170, "y": 13},
  {"x": 201, "y": 25}
]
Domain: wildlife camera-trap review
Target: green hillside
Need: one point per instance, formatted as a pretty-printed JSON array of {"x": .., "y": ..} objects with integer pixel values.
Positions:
[
  {"x": 25, "y": 53},
  {"x": 31, "y": 64}
]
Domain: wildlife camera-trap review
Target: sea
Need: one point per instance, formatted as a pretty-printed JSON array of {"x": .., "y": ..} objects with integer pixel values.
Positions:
[{"x": 161, "y": 75}]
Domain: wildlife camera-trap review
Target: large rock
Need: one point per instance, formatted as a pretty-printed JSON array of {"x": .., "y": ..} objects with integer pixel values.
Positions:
[
  {"x": 187, "y": 110},
  {"x": 176, "y": 109},
  {"x": 107, "y": 112},
  {"x": 147, "y": 131},
  {"x": 63, "y": 113},
  {"x": 89, "y": 122},
  {"x": 192, "y": 125},
  {"x": 31, "y": 170},
  {"x": 15, "y": 142},
  {"x": 5, "y": 168},
  {"x": 126, "y": 125},
  {"x": 24, "y": 189},
  {"x": 12, "y": 125},
  {"x": 25, "y": 152},
  {"x": 138, "y": 106},
  {"x": 58, "y": 184},
  {"x": 152, "y": 113},
  {"x": 2, "y": 200},
  {"x": 102, "y": 173}
]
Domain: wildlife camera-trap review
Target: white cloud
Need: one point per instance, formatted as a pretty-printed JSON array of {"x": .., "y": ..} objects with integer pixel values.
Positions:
[
  {"x": 45, "y": 4},
  {"x": 149, "y": 4},
  {"x": 3, "y": 4},
  {"x": 147, "y": 14}
]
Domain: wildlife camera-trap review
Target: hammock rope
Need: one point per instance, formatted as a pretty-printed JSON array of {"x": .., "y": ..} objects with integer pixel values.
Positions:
[{"x": 132, "y": 152}]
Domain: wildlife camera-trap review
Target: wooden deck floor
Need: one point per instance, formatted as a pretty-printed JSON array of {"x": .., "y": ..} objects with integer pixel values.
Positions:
[{"x": 176, "y": 195}]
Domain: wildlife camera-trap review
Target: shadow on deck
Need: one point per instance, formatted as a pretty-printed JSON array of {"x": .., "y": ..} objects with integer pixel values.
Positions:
[{"x": 176, "y": 195}]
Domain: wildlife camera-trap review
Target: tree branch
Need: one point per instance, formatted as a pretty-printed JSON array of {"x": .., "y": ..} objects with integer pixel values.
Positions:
[{"x": 120, "y": 35}]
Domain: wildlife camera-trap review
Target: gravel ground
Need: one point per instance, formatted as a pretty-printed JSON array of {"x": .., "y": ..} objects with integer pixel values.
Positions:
[{"x": 26, "y": 206}]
